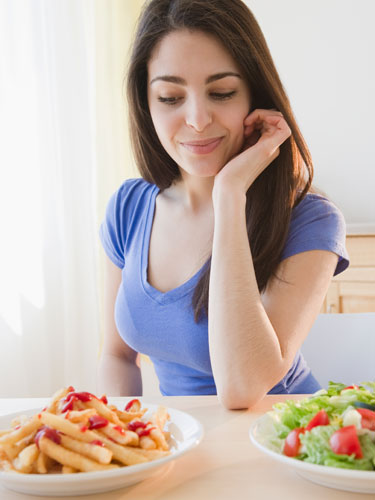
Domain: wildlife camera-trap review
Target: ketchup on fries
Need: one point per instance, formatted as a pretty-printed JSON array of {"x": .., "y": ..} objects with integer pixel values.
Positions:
[{"x": 79, "y": 432}]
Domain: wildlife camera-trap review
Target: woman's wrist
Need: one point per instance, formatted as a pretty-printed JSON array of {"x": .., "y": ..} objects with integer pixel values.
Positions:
[{"x": 225, "y": 193}]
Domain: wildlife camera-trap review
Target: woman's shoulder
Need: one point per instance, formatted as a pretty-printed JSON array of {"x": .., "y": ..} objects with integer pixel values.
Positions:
[
  {"x": 317, "y": 213},
  {"x": 133, "y": 194},
  {"x": 315, "y": 204},
  {"x": 135, "y": 187},
  {"x": 317, "y": 224},
  {"x": 125, "y": 209}
]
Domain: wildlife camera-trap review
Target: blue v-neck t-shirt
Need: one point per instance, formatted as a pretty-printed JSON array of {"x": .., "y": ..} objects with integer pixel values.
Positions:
[{"x": 161, "y": 325}]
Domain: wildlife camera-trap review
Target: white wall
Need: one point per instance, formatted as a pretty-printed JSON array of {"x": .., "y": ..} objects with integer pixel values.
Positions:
[{"x": 324, "y": 51}]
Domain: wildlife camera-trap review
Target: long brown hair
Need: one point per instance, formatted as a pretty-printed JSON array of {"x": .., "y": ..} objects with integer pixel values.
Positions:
[{"x": 284, "y": 183}]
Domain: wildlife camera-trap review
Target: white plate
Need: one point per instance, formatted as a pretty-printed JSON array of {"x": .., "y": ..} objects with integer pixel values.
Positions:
[
  {"x": 186, "y": 433},
  {"x": 333, "y": 477}
]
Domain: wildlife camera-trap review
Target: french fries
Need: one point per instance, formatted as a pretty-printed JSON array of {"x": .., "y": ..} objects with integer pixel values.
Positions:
[
  {"x": 70, "y": 458},
  {"x": 17, "y": 434},
  {"x": 26, "y": 458},
  {"x": 78, "y": 432},
  {"x": 43, "y": 463},
  {"x": 93, "y": 451}
]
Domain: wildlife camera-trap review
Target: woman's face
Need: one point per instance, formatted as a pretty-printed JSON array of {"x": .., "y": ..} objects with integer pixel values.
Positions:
[{"x": 198, "y": 101}]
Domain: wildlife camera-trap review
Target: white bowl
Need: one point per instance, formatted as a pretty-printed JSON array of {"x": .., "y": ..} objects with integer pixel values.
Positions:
[
  {"x": 342, "y": 479},
  {"x": 186, "y": 433}
]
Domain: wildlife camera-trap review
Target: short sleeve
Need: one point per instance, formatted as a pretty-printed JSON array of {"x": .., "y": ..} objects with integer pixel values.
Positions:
[
  {"x": 317, "y": 224},
  {"x": 113, "y": 229}
]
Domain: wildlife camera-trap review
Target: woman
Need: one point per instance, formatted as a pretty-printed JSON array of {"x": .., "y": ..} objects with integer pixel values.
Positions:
[{"x": 219, "y": 256}]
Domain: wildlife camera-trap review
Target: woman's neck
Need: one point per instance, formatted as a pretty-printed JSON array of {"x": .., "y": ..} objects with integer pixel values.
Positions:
[{"x": 192, "y": 193}]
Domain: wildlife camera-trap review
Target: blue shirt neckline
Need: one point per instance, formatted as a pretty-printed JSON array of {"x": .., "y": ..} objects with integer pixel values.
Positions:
[{"x": 155, "y": 294}]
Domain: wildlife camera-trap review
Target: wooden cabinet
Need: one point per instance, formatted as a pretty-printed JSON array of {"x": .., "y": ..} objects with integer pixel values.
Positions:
[{"x": 354, "y": 290}]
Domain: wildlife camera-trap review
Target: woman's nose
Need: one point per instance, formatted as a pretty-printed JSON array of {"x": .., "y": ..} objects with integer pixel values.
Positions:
[{"x": 198, "y": 115}]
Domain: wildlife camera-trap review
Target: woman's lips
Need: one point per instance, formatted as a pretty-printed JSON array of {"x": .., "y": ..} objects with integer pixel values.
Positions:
[{"x": 202, "y": 147}]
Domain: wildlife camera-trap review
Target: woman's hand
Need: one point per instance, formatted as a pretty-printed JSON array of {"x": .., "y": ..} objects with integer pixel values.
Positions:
[{"x": 264, "y": 131}]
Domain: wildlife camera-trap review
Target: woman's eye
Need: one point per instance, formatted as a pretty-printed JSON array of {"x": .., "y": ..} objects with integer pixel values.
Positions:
[
  {"x": 222, "y": 96},
  {"x": 169, "y": 100},
  {"x": 218, "y": 96}
]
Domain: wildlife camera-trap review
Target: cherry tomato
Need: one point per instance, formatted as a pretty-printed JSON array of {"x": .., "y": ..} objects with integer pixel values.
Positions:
[
  {"x": 368, "y": 418},
  {"x": 321, "y": 418},
  {"x": 292, "y": 442},
  {"x": 345, "y": 442}
]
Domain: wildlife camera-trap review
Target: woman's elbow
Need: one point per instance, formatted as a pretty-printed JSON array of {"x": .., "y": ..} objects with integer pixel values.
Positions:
[
  {"x": 247, "y": 395},
  {"x": 231, "y": 400}
]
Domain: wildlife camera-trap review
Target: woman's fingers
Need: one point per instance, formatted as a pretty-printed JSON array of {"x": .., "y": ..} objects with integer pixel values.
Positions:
[
  {"x": 266, "y": 125},
  {"x": 264, "y": 131},
  {"x": 260, "y": 118},
  {"x": 260, "y": 115}
]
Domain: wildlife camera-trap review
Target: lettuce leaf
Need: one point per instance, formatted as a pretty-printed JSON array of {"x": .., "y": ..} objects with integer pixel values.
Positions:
[
  {"x": 317, "y": 450},
  {"x": 315, "y": 443}
]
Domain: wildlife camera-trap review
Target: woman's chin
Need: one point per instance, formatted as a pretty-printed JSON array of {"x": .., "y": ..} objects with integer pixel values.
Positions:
[{"x": 202, "y": 170}]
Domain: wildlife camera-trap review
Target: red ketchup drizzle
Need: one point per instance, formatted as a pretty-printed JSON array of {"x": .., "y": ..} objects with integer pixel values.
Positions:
[
  {"x": 104, "y": 399},
  {"x": 97, "y": 442},
  {"x": 49, "y": 433},
  {"x": 76, "y": 396},
  {"x": 84, "y": 428},
  {"x": 136, "y": 424},
  {"x": 119, "y": 429},
  {"x": 97, "y": 421},
  {"x": 145, "y": 432},
  {"x": 130, "y": 404}
]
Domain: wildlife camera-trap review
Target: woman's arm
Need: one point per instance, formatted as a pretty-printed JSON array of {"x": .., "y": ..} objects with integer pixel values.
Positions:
[
  {"x": 118, "y": 373},
  {"x": 253, "y": 339}
]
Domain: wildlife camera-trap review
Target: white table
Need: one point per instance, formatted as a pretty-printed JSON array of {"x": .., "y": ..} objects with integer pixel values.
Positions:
[{"x": 226, "y": 465}]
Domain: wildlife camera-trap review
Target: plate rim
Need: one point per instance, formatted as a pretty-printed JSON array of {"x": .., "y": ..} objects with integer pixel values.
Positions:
[
  {"x": 125, "y": 471},
  {"x": 306, "y": 466}
]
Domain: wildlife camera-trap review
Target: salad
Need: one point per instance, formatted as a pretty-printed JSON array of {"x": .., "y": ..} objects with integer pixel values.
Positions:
[{"x": 333, "y": 427}]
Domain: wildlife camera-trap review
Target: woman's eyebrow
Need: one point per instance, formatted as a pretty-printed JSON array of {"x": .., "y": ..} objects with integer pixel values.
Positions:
[{"x": 181, "y": 81}]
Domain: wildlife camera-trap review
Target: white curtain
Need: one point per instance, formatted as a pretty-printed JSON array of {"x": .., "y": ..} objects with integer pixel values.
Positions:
[
  {"x": 49, "y": 307},
  {"x": 64, "y": 149}
]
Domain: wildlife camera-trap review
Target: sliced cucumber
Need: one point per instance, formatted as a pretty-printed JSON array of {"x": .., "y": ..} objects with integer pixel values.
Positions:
[{"x": 359, "y": 404}]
